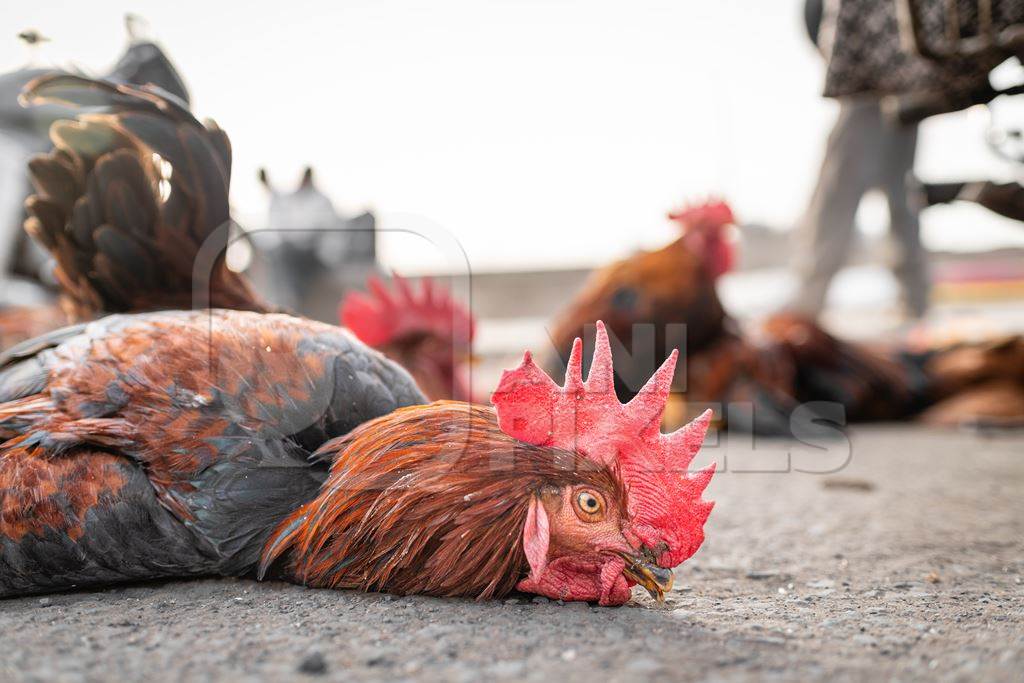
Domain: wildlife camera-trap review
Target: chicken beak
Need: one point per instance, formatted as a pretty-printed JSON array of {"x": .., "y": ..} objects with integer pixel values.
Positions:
[{"x": 657, "y": 580}]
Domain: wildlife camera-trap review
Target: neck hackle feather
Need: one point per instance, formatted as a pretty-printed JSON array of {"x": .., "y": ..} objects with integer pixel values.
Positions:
[{"x": 427, "y": 500}]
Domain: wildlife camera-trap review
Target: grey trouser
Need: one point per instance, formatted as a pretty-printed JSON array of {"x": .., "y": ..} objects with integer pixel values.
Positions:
[{"x": 864, "y": 152}]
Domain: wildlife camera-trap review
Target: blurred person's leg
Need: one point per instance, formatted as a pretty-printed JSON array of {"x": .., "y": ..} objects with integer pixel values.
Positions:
[
  {"x": 827, "y": 228},
  {"x": 911, "y": 262}
]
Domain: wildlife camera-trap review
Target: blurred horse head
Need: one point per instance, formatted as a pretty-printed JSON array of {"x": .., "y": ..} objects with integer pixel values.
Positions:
[
  {"x": 302, "y": 217},
  {"x": 312, "y": 252}
]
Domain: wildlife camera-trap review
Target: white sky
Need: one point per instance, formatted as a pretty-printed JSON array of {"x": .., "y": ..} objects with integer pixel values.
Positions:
[{"x": 539, "y": 134}]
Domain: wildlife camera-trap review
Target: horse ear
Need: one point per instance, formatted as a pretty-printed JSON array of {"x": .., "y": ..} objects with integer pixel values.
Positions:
[
  {"x": 307, "y": 178},
  {"x": 264, "y": 178},
  {"x": 138, "y": 29}
]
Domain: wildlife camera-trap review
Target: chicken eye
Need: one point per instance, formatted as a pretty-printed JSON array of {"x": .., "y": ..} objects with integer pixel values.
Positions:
[
  {"x": 624, "y": 299},
  {"x": 589, "y": 506}
]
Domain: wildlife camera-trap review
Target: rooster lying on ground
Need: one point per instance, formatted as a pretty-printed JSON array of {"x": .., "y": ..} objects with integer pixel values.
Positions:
[
  {"x": 236, "y": 442},
  {"x": 564, "y": 492},
  {"x": 659, "y": 299},
  {"x": 218, "y": 454},
  {"x": 426, "y": 332}
]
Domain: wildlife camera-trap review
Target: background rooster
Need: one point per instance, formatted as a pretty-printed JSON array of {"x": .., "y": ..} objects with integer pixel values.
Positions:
[
  {"x": 183, "y": 443},
  {"x": 426, "y": 332},
  {"x": 655, "y": 289}
]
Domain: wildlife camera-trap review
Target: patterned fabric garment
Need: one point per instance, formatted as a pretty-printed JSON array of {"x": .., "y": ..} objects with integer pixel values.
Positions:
[{"x": 861, "y": 40}]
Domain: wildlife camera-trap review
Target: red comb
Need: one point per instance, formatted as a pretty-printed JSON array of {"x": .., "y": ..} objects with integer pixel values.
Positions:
[
  {"x": 665, "y": 503},
  {"x": 710, "y": 213},
  {"x": 703, "y": 226},
  {"x": 383, "y": 315}
]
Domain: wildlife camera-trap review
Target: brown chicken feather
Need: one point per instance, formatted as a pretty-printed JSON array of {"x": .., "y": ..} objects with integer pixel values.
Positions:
[
  {"x": 133, "y": 202},
  {"x": 43, "y": 493},
  {"x": 428, "y": 500}
]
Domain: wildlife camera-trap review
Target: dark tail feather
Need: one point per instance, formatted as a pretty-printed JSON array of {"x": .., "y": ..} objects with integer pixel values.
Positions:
[{"x": 134, "y": 193}]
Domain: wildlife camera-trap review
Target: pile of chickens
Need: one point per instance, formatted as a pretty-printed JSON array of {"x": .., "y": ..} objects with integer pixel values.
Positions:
[
  {"x": 787, "y": 368},
  {"x": 181, "y": 427}
]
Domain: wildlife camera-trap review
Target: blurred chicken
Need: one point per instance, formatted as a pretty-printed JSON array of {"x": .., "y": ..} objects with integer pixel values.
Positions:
[
  {"x": 239, "y": 442},
  {"x": 127, "y": 235},
  {"x": 978, "y": 384},
  {"x": 128, "y": 232},
  {"x": 18, "y": 323},
  {"x": 642, "y": 297},
  {"x": 27, "y": 284},
  {"x": 426, "y": 332},
  {"x": 756, "y": 379}
]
